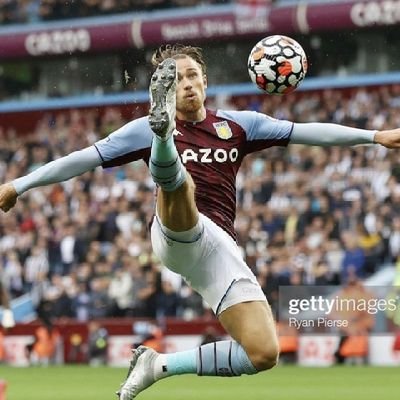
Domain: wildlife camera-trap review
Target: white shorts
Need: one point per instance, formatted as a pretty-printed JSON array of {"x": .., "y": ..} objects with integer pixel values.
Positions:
[{"x": 212, "y": 265}]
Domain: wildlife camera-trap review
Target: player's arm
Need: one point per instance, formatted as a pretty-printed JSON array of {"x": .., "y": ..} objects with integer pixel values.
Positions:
[
  {"x": 263, "y": 131},
  {"x": 323, "y": 134},
  {"x": 124, "y": 145},
  {"x": 58, "y": 170}
]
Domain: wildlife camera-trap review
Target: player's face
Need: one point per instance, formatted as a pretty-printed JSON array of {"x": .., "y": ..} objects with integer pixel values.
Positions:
[{"x": 190, "y": 91}]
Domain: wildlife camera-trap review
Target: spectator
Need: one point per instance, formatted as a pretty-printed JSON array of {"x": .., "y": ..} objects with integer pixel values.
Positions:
[
  {"x": 191, "y": 303},
  {"x": 36, "y": 267},
  {"x": 45, "y": 345},
  {"x": 167, "y": 300},
  {"x": 12, "y": 274},
  {"x": 354, "y": 258},
  {"x": 98, "y": 344},
  {"x": 20, "y": 11},
  {"x": 353, "y": 343},
  {"x": 394, "y": 240},
  {"x": 120, "y": 293},
  {"x": 81, "y": 303},
  {"x": 372, "y": 245},
  {"x": 99, "y": 300},
  {"x": 67, "y": 248}
]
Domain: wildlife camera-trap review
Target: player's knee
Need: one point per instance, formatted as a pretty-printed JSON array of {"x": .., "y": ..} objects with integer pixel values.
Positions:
[{"x": 265, "y": 358}]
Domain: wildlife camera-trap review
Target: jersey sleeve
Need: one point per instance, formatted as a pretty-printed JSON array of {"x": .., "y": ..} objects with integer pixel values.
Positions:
[
  {"x": 323, "y": 134},
  {"x": 59, "y": 170},
  {"x": 262, "y": 131},
  {"x": 129, "y": 143}
]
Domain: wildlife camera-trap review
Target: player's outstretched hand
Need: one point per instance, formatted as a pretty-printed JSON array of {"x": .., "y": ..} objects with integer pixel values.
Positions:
[
  {"x": 8, "y": 196},
  {"x": 389, "y": 138}
]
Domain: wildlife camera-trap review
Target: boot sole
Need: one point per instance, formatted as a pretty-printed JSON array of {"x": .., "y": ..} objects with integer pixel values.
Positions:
[{"x": 161, "y": 82}]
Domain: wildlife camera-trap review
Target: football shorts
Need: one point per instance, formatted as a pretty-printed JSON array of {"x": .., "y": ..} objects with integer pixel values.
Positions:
[{"x": 212, "y": 265}]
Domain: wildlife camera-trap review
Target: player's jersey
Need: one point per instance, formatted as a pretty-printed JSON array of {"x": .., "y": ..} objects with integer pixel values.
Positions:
[{"x": 211, "y": 150}]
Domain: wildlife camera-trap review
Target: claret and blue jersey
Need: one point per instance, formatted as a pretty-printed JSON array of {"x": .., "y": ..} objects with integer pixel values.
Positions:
[{"x": 212, "y": 151}]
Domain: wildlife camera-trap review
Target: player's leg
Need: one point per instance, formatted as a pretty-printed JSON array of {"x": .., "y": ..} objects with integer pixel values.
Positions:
[
  {"x": 227, "y": 284},
  {"x": 176, "y": 205},
  {"x": 177, "y": 216},
  {"x": 251, "y": 324},
  {"x": 254, "y": 348}
]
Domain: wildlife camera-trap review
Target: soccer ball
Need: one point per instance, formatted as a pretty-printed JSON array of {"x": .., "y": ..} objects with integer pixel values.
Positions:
[{"x": 277, "y": 64}]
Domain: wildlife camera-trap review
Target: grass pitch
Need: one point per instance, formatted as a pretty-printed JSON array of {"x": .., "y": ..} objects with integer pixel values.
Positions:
[{"x": 282, "y": 383}]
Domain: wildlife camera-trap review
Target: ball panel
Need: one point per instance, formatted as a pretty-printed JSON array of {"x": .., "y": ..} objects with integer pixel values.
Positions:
[{"x": 277, "y": 64}]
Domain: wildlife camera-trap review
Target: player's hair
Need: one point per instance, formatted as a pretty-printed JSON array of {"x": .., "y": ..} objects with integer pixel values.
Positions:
[{"x": 179, "y": 51}]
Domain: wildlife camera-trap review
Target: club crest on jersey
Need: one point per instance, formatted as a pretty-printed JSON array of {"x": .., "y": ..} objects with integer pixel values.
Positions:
[{"x": 223, "y": 130}]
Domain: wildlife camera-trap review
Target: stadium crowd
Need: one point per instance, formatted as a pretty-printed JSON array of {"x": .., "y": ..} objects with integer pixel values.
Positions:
[
  {"x": 24, "y": 11},
  {"x": 305, "y": 215}
]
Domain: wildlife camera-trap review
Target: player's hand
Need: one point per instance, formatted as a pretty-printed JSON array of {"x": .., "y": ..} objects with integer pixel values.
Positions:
[
  {"x": 8, "y": 319},
  {"x": 389, "y": 138},
  {"x": 8, "y": 196}
]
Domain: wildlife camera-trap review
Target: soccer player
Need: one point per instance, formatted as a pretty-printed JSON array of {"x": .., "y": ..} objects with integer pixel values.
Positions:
[
  {"x": 193, "y": 155},
  {"x": 7, "y": 320}
]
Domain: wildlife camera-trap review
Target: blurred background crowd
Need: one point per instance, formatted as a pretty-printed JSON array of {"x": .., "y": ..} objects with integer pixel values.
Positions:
[
  {"x": 23, "y": 11},
  {"x": 305, "y": 215}
]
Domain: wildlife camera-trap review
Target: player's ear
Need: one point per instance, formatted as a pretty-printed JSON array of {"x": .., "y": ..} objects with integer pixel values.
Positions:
[{"x": 205, "y": 81}]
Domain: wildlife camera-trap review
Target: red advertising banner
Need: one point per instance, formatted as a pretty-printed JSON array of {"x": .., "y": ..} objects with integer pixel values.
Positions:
[
  {"x": 64, "y": 40},
  {"x": 209, "y": 23},
  {"x": 229, "y": 25}
]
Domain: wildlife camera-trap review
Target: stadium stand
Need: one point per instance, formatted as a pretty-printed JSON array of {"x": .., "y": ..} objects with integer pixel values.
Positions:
[
  {"x": 29, "y": 11},
  {"x": 73, "y": 243}
]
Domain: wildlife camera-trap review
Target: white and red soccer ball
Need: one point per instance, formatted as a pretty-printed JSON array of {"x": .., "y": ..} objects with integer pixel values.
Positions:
[{"x": 277, "y": 64}]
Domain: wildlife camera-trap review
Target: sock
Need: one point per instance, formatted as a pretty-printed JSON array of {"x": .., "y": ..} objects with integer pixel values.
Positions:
[
  {"x": 224, "y": 358},
  {"x": 165, "y": 165},
  {"x": 182, "y": 362}
]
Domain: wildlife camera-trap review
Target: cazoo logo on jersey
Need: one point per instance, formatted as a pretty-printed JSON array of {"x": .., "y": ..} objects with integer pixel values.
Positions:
[{"x": 210, "y": 155}]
